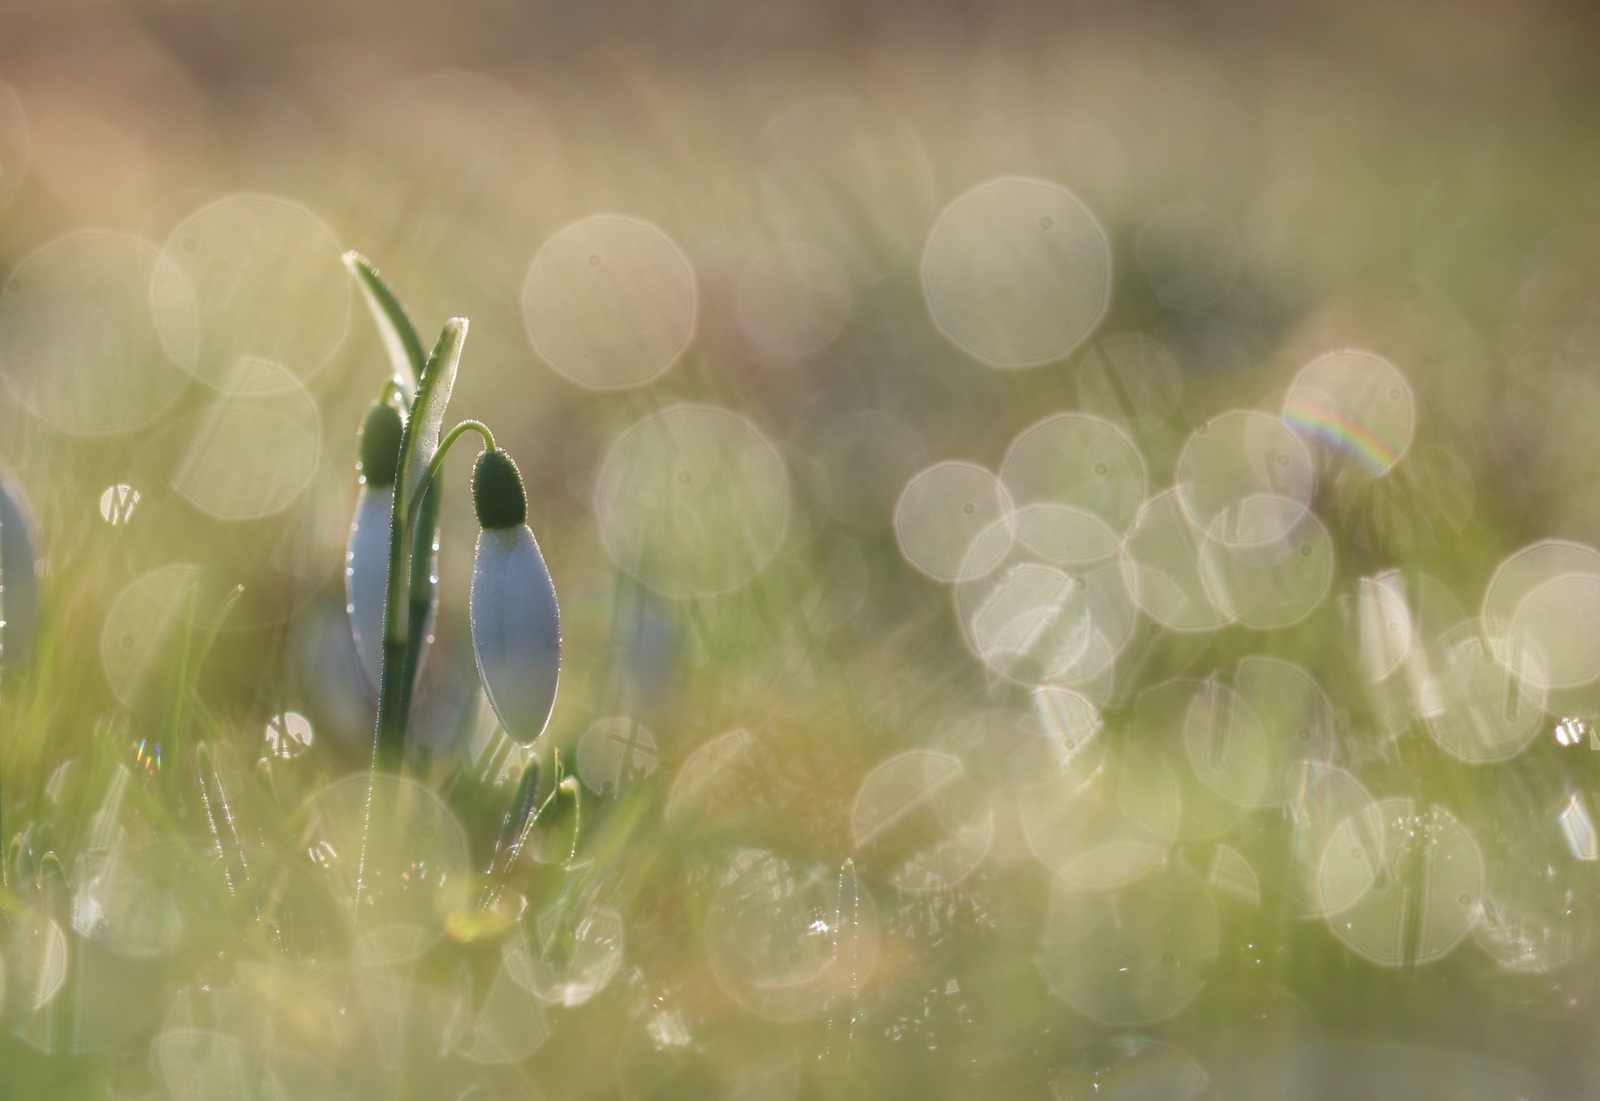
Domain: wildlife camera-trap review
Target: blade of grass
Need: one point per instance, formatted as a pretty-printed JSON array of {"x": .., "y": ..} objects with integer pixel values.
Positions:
[
  {"x": 399, "y": 335},
  {"x": 424, "y": 583},
  {"x": 193, "y": 651}
]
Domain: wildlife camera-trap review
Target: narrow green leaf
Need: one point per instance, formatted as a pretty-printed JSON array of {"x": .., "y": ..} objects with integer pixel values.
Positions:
[
  {"x": 424, "y": 568},
  {"x": 421, "y": 438},
  {"x": 399, "y": 336},
  {"x": 522, "y": 807}
]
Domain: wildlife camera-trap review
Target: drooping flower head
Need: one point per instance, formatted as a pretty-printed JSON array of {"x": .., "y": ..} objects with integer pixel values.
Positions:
[{"x": 516, "y": 624}]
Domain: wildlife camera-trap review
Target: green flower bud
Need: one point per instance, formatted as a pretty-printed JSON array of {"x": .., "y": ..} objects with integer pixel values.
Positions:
[
  {"x": 497, "y": 494},
  {"x": 380, "y": 445}
]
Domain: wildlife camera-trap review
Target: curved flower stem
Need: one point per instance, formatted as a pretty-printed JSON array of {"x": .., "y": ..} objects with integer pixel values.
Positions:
[
  {"x": 438, "y": 458},
  {"x": 391, "y": 389},
  {"x": 394, "y": 697}
]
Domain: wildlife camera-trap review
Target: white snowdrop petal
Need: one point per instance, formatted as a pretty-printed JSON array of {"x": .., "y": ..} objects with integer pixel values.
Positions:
[
  {"x": 516, "y": 630},
  {"x": 366, "y": 575}
]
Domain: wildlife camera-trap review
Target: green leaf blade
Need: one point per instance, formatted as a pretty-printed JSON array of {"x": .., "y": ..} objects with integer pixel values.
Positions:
[
  {"x": 399, "y": 335},
  {"x": 426, "y": 422}
]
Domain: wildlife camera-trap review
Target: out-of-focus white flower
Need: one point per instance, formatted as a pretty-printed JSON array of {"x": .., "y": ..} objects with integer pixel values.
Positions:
[
  {"x": 516, "y": 625},
  {"x": 19, "y": 584}
]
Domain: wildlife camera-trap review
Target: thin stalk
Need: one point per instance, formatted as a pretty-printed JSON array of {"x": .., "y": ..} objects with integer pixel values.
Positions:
[
  {"x": 421, "y": 543},
  {"x": 424, "y": 555},
  {"x": 400, "y": 604},
  {"x": 394, "y": 694},
  {"x": 444, "y": 446},
  {"x": 391, "y": 389}
]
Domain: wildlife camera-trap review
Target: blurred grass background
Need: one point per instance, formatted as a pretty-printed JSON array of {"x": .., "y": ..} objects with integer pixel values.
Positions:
[{"x": 1412, "y": 179}]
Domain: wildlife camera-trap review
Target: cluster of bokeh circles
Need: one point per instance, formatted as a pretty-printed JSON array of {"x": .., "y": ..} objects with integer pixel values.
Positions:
[
  {"x": 102, "y": 330},
  {"x": 1064, "y": 567}
]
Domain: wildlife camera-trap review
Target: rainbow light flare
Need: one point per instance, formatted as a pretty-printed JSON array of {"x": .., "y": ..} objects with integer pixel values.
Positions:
[{"x": 1340, "y": 432}]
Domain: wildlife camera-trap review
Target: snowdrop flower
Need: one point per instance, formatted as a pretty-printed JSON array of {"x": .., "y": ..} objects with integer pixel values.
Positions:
[
  {"x": 516, "y": 626},
  {"x": 366, "y": 561},
  {"x": 19, "y": 585}
]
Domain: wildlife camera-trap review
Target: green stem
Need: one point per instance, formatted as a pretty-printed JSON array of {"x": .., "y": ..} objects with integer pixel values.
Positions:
[
  {"x": 444, "y": 446},
  {"x": 424, "y": 552},
  {"x": 394, "y": 695},
  {"x": 401, "y": 652},
  {"x": 424, "y": 549}
]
